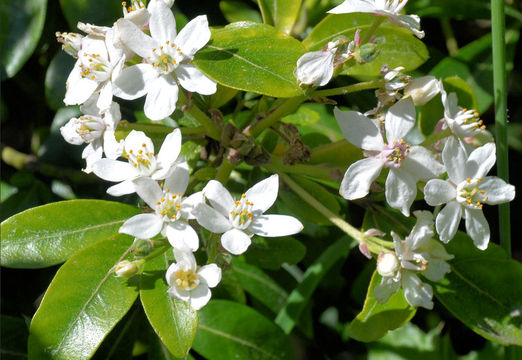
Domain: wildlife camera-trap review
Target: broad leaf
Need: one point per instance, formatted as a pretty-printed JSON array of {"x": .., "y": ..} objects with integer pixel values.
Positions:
[
  {"x": 50, "y": 234},
  {"x": 411, "y": 54},
  {"x": 55, "y": 78},
  {"x": 83, "y": 303},
  {"x": 259, "y": 285},
  {"x": 22, "y": 24},
  {"x": 270, "y": 253},
  {"x": 228, "y": 330},
  {"x": 280, "y": 13},
  {"x": 174, "y": 321},
  {"x": 236, "y": 10},
  {"x": 252, "y": 57},
  {"x": 100, "y": 12},
  {"x": 376, "y": 319},
  {"x": 491, "y": 277}
]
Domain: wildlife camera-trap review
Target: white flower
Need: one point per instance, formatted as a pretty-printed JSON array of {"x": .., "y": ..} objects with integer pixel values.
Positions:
[
  {"x": 407, "y": 163},
  {"x": 171, "y": 210},
  {"x": 96, "y": 128},
  {"x": 317, "y": 67},
  {"x": 394, "y": 81},
  {"x": 167, "y": 59},
  {"x": 423, "y": 89},
  {"x": 189, "y": 283},
  {"x": 238, "y": 220},
  {"x": 99, "y": 62},
  {"x": 466, "y": 190},
  {"x": 417, "y": 254},
  {"x": 142, "y": 162},
  {"x": 388, "y": 8}
]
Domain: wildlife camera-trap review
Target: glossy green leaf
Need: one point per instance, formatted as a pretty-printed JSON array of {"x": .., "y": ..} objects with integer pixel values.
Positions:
[
  {"x": 103, "y": 13},
  {"x": 304, "y": 116},
  {"x": 376, "y": 319},
  {"x": 55, "y": 78},
  {"x": 13, "y": 336},
  {"x": 236, "y": 10},
  {"x": 252, "y": 57},
  {"x": 411, "y": 53},
  {"x": 271, "y": 253},
  {"x": 280, "y": 13},
  {"x": 429, "y": 116},
  {"x": 491, "y": 277},
  {"x": 52, "y": 233},
  {"x": 259, "y": 285},
  {"x": 299, "y": 297},
  {"x": 22, "y": 24},
  {"x": 228, "y": 330},
  {"x": 174, "y": 321},
  {"x": 83, "y": 303},
  {"x": 465, "y": 94}
]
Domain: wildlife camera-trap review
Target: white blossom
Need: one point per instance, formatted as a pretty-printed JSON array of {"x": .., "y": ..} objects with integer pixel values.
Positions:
[
  {"x": 167, "y": 61},
  {"x": 407, "y": 163},
  {"x": 238, "y": 220},
  {"x": 466, "y": 190},
  {"x": 389, "y": 8},
  {"x": 317, "y": 67}
]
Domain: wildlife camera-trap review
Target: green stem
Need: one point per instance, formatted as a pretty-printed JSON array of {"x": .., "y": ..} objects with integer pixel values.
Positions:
[
  {"x": 434, "y": 137},
  {"x": 324, "y": 173},
  {"x": 368, "y": 34},
  {"x": 288, "y": 106},
  {"x": 500, "y": 92},
  {"x": 224, "y": 171},
  {"x": 157, "y": 253},
  {"x": 375, "y": 84},
  {"x": 451, "y": 42},
  {"x": 213, "y": 130}
]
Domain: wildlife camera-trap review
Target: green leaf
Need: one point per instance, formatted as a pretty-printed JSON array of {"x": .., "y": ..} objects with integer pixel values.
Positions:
[
  {"x": 228, "y": 330},
  {"x": 491, "y": 277},
  {"x": 13, "y": 335},
  {"x": 21, "y": 23},
  {"x": 258, "y": 284},
  {"x": 376, "y": 319},
  {"x": 411, "y": 53},
  {"x": 465, "y": 94},
  {"x": 252, "y": 57},
  {"x": 55, "y": 78},
  {"x": 83, "y": 303},
  {"x": 236, "y": 10},
  {"x": 280, "y": 13},
  {"x": 50, "y": 234},
  {"x": 271, "y": 253},
  {"x": 304, "y": 116},
  {"x": 103, "y": 13},
  {"x": 174, "y": 321},
  {"x": 299, "y": 297}
]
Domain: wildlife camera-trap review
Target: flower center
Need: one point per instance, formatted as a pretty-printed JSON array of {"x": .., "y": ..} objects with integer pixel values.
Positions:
[
  {"x": 187, "y": 280},
  {"x": 470, "y": 120},
  {"x": 470, "y": 195},
  {"x": 136, "y": 5},
  {"x": 89, "y": 128},
  {"x": 94, "y": 67},
  {"x": 241, "y": 215},
  {"x": 142, "y": 158},
  {"x": 396, "y": 153},
  {"x": 169, "y": 205},
  {"x": 166, "y": 58}
]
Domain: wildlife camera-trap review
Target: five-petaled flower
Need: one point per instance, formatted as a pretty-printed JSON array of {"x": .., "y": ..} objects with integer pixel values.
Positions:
[
  {"x": 466, "y": 190},
  {"x": 240, "y": 219}
]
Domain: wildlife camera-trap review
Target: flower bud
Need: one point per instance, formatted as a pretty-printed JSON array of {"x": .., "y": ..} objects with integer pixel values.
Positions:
[
  {"x": 387, "y": 264},
  {"x": 422, "y": 89},
  {"x": 368, "y": 52},
  {"x": 125, "y": 269},
  {"x": 142, "y": 247}
]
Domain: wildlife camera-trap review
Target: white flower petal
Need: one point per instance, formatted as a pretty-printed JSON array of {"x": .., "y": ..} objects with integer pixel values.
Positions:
[
  {"x": 363, "y": 6},
  {"x": 111, "y": 147},
  {"x": 454, "y": 157},
  {"x": 263, "y": 194},
  {"x": 275, "y": 225},
  {"x": 189, "y": 204},
  {"x": 400, "y": 190},
  {"x": 178, "y": 179},
  {"x": 132, "y": 81},
  {"x": 219, "y": 197},
  {"x": 79, "y": 91},
  {"x": 193, "y": 80},
  {"x": 399, "y": 121},
  {"x": 92, "y": 154},
  {"x": 497, "y": 190},
  {"x": 477, "y": 227},
  {"x": 176, "y": 292},
  {"x": 162, "y": 23},
  {"x": 480, "y": 161},
  {"x": 170, "y": 274},
  {"x": 105, "y": 98},
  {"x": 161, "y": 98},
  {"x": 315, "y": 68},
  {"x": 211, "y": 274},
  {"x": 422, "y": 89},
  {"x": 385, "y": 289},
  {"x": 194, "y": 35},
  {"x": 181, "y": 234},
  {"x": 359, "y": 176},
  {"x": 148, "y": 190},
  {"x": 114, "y": 170},
  {"x": 423, "y": 231},
  {"x": 185, "y": 258},
  {"x": 123, "y": 188},
  {"x": 438, "y": 192},
  {"x": 142, "y": 226},
  {"x": 235, "y": 241},
  {"x": 135, "y": 39},
  {"x": 211, "y": 219},
  {"x": 200, "y": 296},
  {"x": 448, "y": 219},
  {"x": 359, "y": 130},
  {"x": 416, "y": 292},
  {"x": 437, "y": 268},
  {"x": 169, "y": 151},
  {"x": 422, "y": 164}
]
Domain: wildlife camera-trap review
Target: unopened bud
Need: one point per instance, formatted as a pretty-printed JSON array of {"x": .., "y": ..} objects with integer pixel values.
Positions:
[
  {"x": 374, "y": 232},
  {"x": 125, "y": 269},
  {"x": 142, "y": 247},
  {"x": 368, "y": 52},
  {"x": 387, "y": 264}
]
